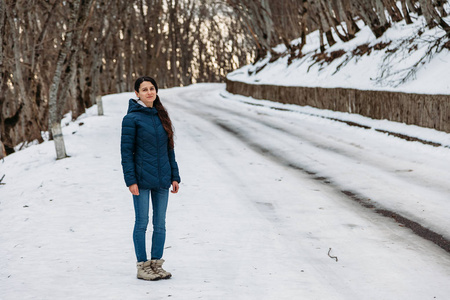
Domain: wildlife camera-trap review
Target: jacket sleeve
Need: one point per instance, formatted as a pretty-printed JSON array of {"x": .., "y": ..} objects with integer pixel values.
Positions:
[
  {"x": 174, "y": 166},
  {"x": 127, "y": 148}
]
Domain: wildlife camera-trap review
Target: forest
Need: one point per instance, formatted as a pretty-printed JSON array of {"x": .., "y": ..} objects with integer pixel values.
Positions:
[{"x": 57, "y": 56}]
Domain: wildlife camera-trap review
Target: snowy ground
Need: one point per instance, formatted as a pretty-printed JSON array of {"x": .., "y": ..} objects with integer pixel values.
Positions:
[{"x": 259, "y": 208}]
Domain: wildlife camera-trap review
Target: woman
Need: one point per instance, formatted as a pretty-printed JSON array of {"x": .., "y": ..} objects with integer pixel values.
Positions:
[{"x": 149, "y": 168}]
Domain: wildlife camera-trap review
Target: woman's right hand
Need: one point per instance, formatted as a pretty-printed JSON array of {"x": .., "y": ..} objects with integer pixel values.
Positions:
[{"x": 134, "y": 189}]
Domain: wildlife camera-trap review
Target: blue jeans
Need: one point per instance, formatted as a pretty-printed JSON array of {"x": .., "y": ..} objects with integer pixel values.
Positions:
[{"x": 160, "y": 199}]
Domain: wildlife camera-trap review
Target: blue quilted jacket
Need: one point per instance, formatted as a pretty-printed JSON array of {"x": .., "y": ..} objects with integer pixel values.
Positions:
[{"x": 146, "y": 157}]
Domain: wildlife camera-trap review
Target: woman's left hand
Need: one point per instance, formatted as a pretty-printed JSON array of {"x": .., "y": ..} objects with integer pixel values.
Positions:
[{"x": 175, "y": 187}]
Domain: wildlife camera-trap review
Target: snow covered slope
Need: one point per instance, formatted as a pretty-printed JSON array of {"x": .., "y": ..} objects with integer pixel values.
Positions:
[
  {"x": 248, "y": 222},
  {"x": 402, "y": 46}
]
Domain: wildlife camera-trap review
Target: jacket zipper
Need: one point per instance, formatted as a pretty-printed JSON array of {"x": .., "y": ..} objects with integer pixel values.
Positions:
[{"x": 157, "y": 148}]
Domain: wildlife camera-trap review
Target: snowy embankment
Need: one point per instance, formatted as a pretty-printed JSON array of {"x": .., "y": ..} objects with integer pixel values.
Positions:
[
  {"x": 359, "y": 65},
  {"x": 254, "y": 218}
]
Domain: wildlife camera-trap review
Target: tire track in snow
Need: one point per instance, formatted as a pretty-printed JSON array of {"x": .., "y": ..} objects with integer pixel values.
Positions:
[
  {"x": 351, "y": 123},
  {"x": 332, "y": 149},
  {"x": 219, "y": 139},
  {"x": 363, "y": 200},
  {"x": 418, "y": 229}
]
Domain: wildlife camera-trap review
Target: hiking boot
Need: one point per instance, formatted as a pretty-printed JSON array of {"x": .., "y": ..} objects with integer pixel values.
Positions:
[
  {"x": 145, "y": 272},
  {"x": 156, "y": 265}
]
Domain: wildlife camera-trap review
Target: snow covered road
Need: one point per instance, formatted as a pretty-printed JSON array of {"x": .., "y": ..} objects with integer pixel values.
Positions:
[
  {"x": 261, "y": 204},
  {"x": 408, "y": 178}
]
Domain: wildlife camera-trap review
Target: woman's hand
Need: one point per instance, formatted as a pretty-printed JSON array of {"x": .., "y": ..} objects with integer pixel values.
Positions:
[
  {"x": 134, "y": 189},
  {"x": 175, "y": 187}
]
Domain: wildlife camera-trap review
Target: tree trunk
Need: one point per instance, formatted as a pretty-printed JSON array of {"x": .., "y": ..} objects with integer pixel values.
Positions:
[
  {"x": 70, "y": 97},
  {"x": 329, "y": 13},
  {"x": 381, "y": 12},
  {"x": 346, "y": 10},
  {"x": 59, "y": 140},
  {"x": 412, "y": 7},
  {"x": 364, "y": 9},
  {"x": 406, "y": 13},
  {"x": 432, "y": 17},
  {"x": 2, "y": 150},
  {"x": 74, "y": 78},
  {"x": 2, "y": 28},
  {"x": 95, "y": 74},
  {"x": 392, "y": 9},
  {"x": 427, "y": 13},
  {"x": 267, "y": 20},
  {"x": 322, "y": 42},
  {"x": 440, "y": 8},
  {"x": 28, "y": 127},
  {"x": 18, "y": 76},
  {"x": 56, "y": 104}
]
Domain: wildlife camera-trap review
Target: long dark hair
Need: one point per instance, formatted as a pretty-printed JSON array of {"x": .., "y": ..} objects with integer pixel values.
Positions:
[{"x": 162, "y": 112}]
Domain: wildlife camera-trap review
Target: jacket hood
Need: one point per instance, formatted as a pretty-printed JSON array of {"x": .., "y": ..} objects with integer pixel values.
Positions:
[{"x": 133, "y": 106}]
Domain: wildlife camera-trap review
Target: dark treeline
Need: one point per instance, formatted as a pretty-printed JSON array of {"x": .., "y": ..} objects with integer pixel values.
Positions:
[{"x": 57, "y": 55}]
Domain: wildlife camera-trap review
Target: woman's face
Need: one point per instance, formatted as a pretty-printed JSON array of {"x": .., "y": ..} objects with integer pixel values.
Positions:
[{"x": 147, "y": 93}]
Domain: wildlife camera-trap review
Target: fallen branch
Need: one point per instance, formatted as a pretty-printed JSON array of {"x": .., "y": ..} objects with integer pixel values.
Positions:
[{"x": 333, "y": 257}]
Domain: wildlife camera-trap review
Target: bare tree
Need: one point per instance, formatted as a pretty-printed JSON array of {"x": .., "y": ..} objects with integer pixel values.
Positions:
[
  {"x": 432, "y": 16},
  {"x": 393, "y": 10},
  {"x": 57, "y": 56},
  {"x": 17, "y": 53},
  {"x": 2, "y": 28},
  {"x": 2, "y": 150},
  {"x": 62, "y": 77},
  {"x": 257, "y": 17},
  {"x": 56, "y": 104},
  {"x": 405, "y": 12}
]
